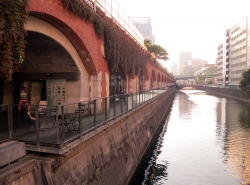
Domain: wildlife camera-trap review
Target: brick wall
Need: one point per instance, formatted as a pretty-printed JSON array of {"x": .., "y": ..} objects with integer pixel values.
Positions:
[{"x": 89, "y": 48}]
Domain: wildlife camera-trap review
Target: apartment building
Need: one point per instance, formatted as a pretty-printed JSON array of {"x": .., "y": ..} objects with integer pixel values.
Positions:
[
  {"x": 233, "y": 55},
  {"x": 237, "y": 53},
  {"x": 219, "y": 63}
]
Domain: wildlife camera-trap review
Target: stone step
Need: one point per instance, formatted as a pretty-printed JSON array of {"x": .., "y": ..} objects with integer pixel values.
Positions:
[{"x": 11, "y": 151}]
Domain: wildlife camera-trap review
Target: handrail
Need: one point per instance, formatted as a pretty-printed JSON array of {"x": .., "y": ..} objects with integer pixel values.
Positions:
[
  {"x": 112, "y": 9},
  {"x": 67, "y": 123}
]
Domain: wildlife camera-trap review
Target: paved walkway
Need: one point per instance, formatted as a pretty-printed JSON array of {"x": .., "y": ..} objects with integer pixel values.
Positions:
[{"x": 51, "y": 132}]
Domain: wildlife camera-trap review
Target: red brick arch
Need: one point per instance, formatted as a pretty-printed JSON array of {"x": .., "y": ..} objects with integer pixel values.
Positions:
[{"x": 81, "y": 34}]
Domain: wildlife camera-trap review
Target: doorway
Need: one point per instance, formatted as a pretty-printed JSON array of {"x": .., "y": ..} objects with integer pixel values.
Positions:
[{"x": 117, "y": 81}]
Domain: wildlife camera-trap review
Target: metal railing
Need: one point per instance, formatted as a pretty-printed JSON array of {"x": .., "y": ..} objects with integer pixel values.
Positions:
[
  {"x": 57, "y": 126},
  {"x": 113, "y": 10}
]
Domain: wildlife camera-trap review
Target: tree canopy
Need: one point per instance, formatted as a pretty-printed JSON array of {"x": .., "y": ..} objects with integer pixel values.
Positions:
[
  {"x": 157, "y": 50},
  {"x": 244, "y": 83}
]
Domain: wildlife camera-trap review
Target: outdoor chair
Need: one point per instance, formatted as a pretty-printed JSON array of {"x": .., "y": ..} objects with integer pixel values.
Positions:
[
  {"x": 85, "y": 108},
  {"x": 60, "y": 125},
  {"x": 29, "y": 125}
]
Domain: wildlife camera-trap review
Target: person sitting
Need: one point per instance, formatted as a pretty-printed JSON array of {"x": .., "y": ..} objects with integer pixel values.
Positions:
[
  {"x": 122, "y": 95},
  {"x": 27, "y": 119},
  {"x": 26, "y": 116}
]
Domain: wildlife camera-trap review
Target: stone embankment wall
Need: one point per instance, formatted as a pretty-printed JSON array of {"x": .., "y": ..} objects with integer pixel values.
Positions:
[
  {"x": 108, "y": 157},
  {"x": 231, "y": 93}
]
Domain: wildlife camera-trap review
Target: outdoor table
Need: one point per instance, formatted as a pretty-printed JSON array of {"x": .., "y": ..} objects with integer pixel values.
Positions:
[{"x": 70, "y": 121}]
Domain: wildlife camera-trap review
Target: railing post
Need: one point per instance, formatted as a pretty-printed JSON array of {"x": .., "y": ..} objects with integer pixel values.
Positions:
[
  {"x": 95, "y": 5},
  {"x": 63, "y": 129},
  {"x": 118, "y": 12},
  {"x": 105, "y": 9},
  {"x": 94, "y": 112},
  {"x": 111, "y": 7},
  {"x": 10, "y": 121},
  {"x": 37, "y": 121},
  {"x": 143, "y": 96},
  {"x": 121, "y": 103},
  {"x": 57, "y": 128},
  {"x": 136, "y": 94},
  {"x": 127, "y": 101},
  {"x": 139, "y": 97},
  {"x": 106, "y": 109},
  {"x": 132, "y": 100},
  {"x": 114, "y": 106},
  {"x": 80, "y": 117}
]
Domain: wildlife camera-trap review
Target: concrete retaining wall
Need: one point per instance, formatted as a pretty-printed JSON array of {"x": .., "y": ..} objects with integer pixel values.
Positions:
[
  {"x": 109, "y": 157},
  {"x": 232, "y": 93}
]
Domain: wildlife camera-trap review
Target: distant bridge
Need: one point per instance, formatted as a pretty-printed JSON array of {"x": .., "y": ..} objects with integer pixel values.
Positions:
[
  {"x": 184, "y": 77},
  {"x": 194, "y": 86}
]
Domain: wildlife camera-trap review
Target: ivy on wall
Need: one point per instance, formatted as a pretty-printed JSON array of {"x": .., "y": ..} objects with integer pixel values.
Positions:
[
  {"x": 121, "y": 51},
  {"x": 13, "y": 15}
]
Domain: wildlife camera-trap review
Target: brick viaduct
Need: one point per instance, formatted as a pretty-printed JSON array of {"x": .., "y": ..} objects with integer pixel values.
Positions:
[{"x": 60, "y": 43}]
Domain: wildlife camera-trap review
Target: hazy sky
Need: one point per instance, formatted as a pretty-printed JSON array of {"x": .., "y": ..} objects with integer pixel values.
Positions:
[{"x": 189, "y": 25}]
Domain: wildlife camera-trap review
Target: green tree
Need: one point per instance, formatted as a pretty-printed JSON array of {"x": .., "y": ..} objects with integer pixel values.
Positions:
[
  {"x": 209, "y": 82},
  {"x": 244, "y": 83},
  {"x": 201, "y": 79},
  {"x": 157, "y": 50}
]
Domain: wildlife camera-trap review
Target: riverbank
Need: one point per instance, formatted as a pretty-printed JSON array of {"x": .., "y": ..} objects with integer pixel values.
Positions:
[
  {"x": 231, "y": 93},
  {"x": 205, "y": 139},
  {"x": 109, "y": 156}
]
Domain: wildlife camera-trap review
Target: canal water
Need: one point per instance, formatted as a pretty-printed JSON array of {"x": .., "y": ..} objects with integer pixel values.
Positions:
[{"x": 205, "y": 141}]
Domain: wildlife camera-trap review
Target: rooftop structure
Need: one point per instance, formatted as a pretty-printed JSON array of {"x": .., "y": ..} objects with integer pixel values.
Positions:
[{"x": 145, "y": 27}]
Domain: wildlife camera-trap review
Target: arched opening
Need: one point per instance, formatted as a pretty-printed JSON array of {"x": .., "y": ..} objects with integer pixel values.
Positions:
[
  {"x": 158, "y": 81},
  {"x": 153, "y": 78},
  {"x": 117, "y": 82},
  {"x": 141, "y": 82},
  {"x": 45, "y": 59}
]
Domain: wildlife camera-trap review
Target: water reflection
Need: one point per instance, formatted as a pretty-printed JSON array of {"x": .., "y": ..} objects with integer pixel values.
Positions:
[
  {"x": 244, "y": 117},
  {"x": 237, "y": 137},
  {"x": 206, "y": 140}
]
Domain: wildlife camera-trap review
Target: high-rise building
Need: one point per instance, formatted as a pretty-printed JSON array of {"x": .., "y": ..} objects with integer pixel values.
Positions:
[
  {"x": 233, "y": 55},
  {"x": 184, "y": 57},
  {"x": 173, "y": 68},
  {"x": 144, "y": 25}
]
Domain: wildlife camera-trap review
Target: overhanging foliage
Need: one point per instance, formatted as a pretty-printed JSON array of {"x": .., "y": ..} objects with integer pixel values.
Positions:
[{"x": 12, "y": 44}]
